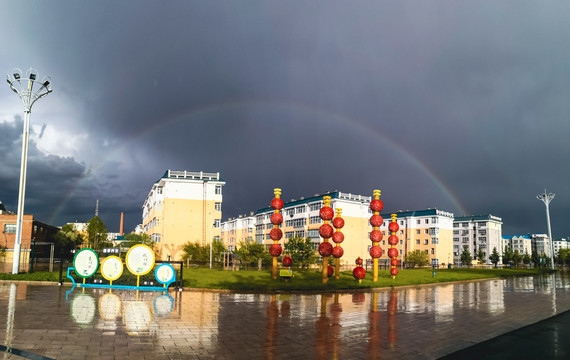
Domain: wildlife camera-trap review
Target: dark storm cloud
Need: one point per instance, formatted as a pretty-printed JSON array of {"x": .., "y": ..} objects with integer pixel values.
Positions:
[{"x": 460, "y": 106}]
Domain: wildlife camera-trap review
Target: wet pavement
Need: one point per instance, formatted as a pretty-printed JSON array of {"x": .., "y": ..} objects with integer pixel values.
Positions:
[{"x": 46, "y": 321}]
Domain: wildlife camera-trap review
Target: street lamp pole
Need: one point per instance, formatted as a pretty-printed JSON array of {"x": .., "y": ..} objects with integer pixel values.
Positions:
[
  {"x": 29, "y": 89},
  {"x": 546, "y": 199}
]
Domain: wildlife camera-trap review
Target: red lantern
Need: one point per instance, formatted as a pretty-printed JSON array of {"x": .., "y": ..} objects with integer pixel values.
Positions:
[
  {"x": 338, "y": 222},
  {"x": 359, "y": 273},
  {"x": 393, "y": 240},
  {"x": 287, "y": 261},
  {"x": 326, "y": 213},
  {"x": 358, "y": 261},
  {"x": 394, "y": 271},
  {"x": 337, "y": 252},
  {"x": 275, "y": 250},
  {"x": 376, "y": 205},
  {"x": 393, "y": 227},
  {"x": 376, "y": 235},
  {"x": 330, "y": 271},
  {"x": 394, "y": 262},
  {"x": 392, "y": 252},
  {"x": 277, "y": 204},
  {"x": 325, "y": 249},
  {"x": 338, "y": 237},
  {"x": 276, "y": 234},
  {"x": 276, "y": 218},
  {"x": 376, "y": 220},
  {"x": 326, "y": 231},
  {"x": 375, "y": 252}
]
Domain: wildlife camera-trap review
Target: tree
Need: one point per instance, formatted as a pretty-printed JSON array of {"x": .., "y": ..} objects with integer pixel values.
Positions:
[
  {"x": 66, "y": 240},
  {"x": 301, "y": 251},
  {"x": 133, "y": 239},
  {"x": 517, "y": 258},
  {"x": 417, "y": 258},
  {"x": 250, "y": 252},
  {"x": 481, "y": 256},
  {"x": 466, "y": 256},
  {"x": 535, "y": 258},
  {"x": 526, "y": 258},
  {"x": 201, "y": 254},
  {"x": 96, "y": 233},
  {"x": 563, "y": 256},
  {"x": 494, "y": 257},
  {"x": 507, "y": 255}
]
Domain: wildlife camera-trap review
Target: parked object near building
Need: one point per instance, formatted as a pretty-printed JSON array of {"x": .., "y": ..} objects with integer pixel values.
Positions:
[{"x": 182, "y": 207}]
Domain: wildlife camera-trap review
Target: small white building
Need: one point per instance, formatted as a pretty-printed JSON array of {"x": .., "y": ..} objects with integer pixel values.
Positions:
[{"x": 560, "y": 244}]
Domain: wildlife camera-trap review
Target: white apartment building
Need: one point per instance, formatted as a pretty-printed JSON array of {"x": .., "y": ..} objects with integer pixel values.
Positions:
[
  {"x": 520, "y": 243},
  {"x": 238, "y": 230},
  {"x": 560, "y": 244},
  {"x": 541, "y": 244},
  {"x": 481, "y": 231}
]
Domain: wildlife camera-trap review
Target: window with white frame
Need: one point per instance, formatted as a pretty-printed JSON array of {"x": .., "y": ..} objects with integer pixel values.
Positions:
[
  {"x": 218, "y": 189},
  {"x": 218, "y": 206}
]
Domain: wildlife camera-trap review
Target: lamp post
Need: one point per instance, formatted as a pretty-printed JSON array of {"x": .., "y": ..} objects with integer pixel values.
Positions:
[
  {"x": 29, "y": 89},
  {"x": 546, "y": 199}
]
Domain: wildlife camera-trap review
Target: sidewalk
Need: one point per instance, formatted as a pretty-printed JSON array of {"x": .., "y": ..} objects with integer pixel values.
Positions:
[{"x": 546, "y": 339}]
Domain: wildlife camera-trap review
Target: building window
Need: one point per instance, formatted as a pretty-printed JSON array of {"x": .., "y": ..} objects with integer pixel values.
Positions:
[
  {"x": 432, "y": 251},
  {"x": 218, "y": 189},
  {"x": 268, "y": 226},
  {"x": 455, "y": 225},
  {"x": 418, "y": 241},
  {"x": 217, "y": 223},
  {"x": 401, "y": 242},
  {"x": 426, "y": 241},
  {"x": 299, "y": 209},
  {"x": 402, "y": 222},
  {"x": 267, "y": 237},
  {"x": 315, "y": 206},
  {"x": 218, "y": 206},
  {"x": 289, "y": 234},
  {"x": 434, "y": 241},
  {"x": 465, "y": 224},
  {"x": 315, "y": 220},
  {"x": 426, "y": 231},
  {"x": 313, "y": 233},
  {"x": 456, "y": 239},
  {"x": 434, "y": 220},
  {"x": 9, "y": 228},
  {"x": 455, "y": 232},
  {"x": 434, "y": 231},
  {"x": 155, "y": 237},
  {"x": 418, "y": 231},
  {"x": 427, "y": 221},
  {"x": 300, "y": 233},
  {"x": 418, "y": 221}
]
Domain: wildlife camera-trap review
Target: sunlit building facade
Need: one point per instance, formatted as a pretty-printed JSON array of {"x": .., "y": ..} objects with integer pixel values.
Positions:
[
  {"x": 481, "y": 231},
  {"x": 427, "y": 230},
  {"x": 183, "y": 207},
  {"x": 520, "y": 243}
]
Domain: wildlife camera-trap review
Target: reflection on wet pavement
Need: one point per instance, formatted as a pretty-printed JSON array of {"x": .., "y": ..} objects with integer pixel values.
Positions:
[{"x": 403, "y": 323}]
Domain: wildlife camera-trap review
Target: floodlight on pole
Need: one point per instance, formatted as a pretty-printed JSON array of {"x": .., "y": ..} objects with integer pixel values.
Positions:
[
  {"x": 29, "y": 89},
  {"x": 546, "y": 199}
]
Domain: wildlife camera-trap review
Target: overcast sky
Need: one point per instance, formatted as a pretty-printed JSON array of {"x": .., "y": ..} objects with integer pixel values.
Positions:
[{"x": 455, "y": 105}]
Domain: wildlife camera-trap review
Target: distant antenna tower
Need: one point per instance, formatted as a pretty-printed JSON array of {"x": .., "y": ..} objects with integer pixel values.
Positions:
[{"x": 97, "y": 208}]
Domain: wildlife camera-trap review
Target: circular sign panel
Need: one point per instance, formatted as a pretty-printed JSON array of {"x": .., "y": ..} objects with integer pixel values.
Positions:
[
  {"x": 164, "y": 273},
  {"x": 112, "y": 268},
  {"x": 140, "y": 259},
  {"x": 85, "y": 263}
]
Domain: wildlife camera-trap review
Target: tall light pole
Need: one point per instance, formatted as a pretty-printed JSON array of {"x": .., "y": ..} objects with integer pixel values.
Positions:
[
  {"x": 29, "y": 89},
  {"x": 546, "y": 199}
]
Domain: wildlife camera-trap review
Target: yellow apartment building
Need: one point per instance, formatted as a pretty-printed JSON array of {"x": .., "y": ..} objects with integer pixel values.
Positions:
[
  {"x": 183, "y": 207},
  {"x": 429, "y": 230}
]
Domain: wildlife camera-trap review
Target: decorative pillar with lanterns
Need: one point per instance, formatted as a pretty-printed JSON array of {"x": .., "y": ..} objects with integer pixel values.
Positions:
[
  {"x": 326, "y": 231},
  {"x": 276, "y": 234},
  {"x": 393, "y": 240},
  {"x": 376, "y": 235},
  {"x": 338, "y": 238}
]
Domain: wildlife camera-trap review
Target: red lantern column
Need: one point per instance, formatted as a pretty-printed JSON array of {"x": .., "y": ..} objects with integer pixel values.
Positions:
[
  {"x": 376, "y": 235},
  {"x": 326, "y": 231},
  {"x": 276, "y": 234},
  {"x": 359, "y": 272},
  {"x": 338, "y": 237},
  {"x": 393, "y": 241}
]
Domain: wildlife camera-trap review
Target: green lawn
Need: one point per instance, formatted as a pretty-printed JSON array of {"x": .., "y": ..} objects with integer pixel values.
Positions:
[
  {"x": 312, "y": 280},
  {"x": 252, "y": 280}
]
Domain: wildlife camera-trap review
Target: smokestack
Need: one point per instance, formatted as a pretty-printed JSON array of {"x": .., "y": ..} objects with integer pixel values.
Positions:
[{"x": 122, "y": 221}]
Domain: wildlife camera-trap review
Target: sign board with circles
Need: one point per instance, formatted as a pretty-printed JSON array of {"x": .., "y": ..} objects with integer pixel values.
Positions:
[
  {"x": 112, "y": 268},
  {"x": 140, "y": 259},
  {"x": 85, "y": 263}
]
